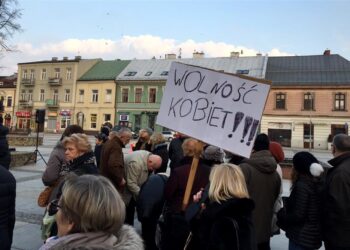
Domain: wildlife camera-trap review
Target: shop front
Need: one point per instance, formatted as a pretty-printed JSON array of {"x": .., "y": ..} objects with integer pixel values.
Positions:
[
  {"x": 23, "y": 120},
  {"x": 65, "y": 119}
]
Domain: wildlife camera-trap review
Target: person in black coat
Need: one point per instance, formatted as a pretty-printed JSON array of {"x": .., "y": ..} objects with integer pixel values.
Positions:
[
  {"x": 300, "y": 217},
  {"x": 101, "y": 138},
  {"x": 149, "y": 207},
  {"x": 225, "y": 221},
  {"x": 7, "y": 208},
  {"x": 175, "y": 151},
  {"x": 159, "y": 147},
  {"x": 5, "y": 157}
]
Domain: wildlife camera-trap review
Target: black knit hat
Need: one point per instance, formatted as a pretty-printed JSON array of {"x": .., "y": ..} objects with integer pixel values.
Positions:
[
  {"x": 262, "y": 142},
  {"x": 306, "y": 163}
]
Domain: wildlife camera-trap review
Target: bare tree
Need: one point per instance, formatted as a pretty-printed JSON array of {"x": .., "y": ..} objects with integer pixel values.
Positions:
[{"x": 9, "y": 15}]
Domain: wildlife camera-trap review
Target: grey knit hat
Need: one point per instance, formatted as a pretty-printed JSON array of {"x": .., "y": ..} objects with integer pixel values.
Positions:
[{"x": 213, "y": 153}]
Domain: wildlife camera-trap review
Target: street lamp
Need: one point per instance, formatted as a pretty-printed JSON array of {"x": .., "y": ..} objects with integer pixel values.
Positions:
[{"x": 310, "y": 126}]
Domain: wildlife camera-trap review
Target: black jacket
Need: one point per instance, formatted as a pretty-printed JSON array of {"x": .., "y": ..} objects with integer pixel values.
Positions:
[
  {"x": 150, "y": 201},
  {"x": 336, "y": 217},
  {"x": 176, "y": 152},
  {"x": 7, "y": 208},
  {"x": 220, "y": 225},
  {"x": 5, "y": 157},
  {"x": 162, "y": 151},
  {"x": 84, "y": 164},
  {"x": 301, "y": 216}
]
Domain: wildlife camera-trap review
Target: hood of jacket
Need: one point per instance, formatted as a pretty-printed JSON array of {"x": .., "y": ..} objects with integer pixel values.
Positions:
[
  {"x": 125, "y": 239},
  {"x": 263, "y": 161},
  {"x": 229, "y": 208}
]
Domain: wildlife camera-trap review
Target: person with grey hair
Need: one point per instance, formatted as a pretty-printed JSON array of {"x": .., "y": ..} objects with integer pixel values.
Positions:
[
  {"x": 112, "y": 158},
  {"x": 336, "y": 205},
  {"x": 94, "y": 221},
  {"x": 143, "y": 142},
  {"x": 138, "y": 166}
]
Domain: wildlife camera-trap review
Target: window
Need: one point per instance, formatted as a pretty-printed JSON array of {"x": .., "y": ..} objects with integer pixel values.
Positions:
[
  {"x": 308, "y": 101},
  {"x": 108, "y": 95},
  {"x": 339, "y": 101},
  {"x": 138, "y": 95},
  {"x": 164, "y": 73},
  {"x": 280, "y": 101},
  {"x": 43, "y": 74},
  {"x": 125, "y": 95},
  {"x": 42, "y": 95},
  {"x": 93, "y": 120},
  {"x": 81, "y": 95},
  {"x": 23, "y": 95},
  {"x": 94, "y": 96},
  {"x": 55, "y": 96},
  {"x": 152, "y": 95},
  {"x": 9, "y": 101},
  {"x": 69, "y": 74},
  {"x": 148, "y": 73},
  {"x": 65, "y": 121},
  {"x": 25, "y": 74},
  {"x": 130, "y": 73},
  {"x": 67, "y": 95},
  {"x": 30, "y": 95},
  {"x": 32, "y": 74},
  {"x": 107, "y": 117},
  {"x": 57, "y": 73}
]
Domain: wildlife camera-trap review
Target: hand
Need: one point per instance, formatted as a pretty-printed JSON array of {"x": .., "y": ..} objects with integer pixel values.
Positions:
[{"x": 197, "y": 197}]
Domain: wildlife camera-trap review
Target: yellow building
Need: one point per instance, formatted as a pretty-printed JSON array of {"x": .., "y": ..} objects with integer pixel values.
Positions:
[
  {"x": 49, "y": 85},
  {"x": 7, "y": 95},
  {"x": 95, "y": 96}
]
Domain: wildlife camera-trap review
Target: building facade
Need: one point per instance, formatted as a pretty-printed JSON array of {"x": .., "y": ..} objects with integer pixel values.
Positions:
[
  {"x": 140, "y": 85},
  {"x": 7, "y": 98},
  {"x": 95, "y": 101},
  {"x": 308, "y": 101},
  {"x": 49, "y": 85}
]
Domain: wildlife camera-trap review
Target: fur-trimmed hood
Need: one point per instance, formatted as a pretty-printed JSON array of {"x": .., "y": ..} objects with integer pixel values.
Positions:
[{"x": 125, "y": 239}]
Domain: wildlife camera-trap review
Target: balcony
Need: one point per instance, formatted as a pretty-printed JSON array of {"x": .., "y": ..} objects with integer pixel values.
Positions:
[
  {"x": 25, "y": 104},
  {"x": 52, "y": 104},
  {"x": 28, "y": 82},
  {"x": 53, "y": 81}
]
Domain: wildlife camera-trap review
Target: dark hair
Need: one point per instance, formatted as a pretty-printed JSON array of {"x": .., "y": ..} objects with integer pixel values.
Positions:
[
  {"x": 1, "y": 120},
  {"x": 72, "y": 129},
  {"x": 341, "y": 142},
  {"x": 262, "y": 142}
]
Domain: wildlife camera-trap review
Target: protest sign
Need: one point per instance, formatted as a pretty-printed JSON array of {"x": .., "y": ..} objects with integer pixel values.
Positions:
[{"x": 218, "y": 108}]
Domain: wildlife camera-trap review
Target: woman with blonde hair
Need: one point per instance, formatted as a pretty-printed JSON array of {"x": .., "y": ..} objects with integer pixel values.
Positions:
[
  {"x": 92, "y": 221},
  {"x": 225, "y": 219}
]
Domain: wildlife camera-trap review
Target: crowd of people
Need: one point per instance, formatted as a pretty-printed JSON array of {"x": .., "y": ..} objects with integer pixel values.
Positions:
[{"x": 232, "y": 202}]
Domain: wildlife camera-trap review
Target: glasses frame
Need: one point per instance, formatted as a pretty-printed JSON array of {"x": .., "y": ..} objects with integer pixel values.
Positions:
[{"x": 53, "y": 208}]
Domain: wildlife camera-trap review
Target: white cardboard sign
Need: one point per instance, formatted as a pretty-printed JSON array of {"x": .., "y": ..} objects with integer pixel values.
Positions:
[{"x": 220, "y": 109}]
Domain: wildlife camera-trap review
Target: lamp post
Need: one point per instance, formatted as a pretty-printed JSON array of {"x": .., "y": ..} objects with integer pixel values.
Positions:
[{"x": 310, "y": 126}]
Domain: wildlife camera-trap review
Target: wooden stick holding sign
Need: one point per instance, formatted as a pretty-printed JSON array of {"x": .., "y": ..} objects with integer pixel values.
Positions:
[{"x": 197, "y": 153}]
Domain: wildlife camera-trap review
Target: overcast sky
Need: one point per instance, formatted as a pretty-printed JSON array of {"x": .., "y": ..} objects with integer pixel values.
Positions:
[{"x": 127, "y": 29}]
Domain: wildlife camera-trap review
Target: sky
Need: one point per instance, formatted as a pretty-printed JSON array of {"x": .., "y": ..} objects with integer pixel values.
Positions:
[{"x": 129, "y": 29}]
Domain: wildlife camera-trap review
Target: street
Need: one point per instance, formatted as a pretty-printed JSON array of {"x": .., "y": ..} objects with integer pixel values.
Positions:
[{"x": 29, "y": 185}]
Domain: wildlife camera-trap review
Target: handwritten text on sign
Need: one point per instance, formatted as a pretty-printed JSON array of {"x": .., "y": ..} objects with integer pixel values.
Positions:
[{"x": 217, "y": 108}]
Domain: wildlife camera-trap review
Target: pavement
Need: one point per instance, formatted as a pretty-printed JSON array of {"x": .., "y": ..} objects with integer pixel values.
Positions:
[{"x": 27, "y": 232}]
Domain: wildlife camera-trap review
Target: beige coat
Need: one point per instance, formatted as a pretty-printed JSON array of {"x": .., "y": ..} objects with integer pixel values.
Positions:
[{"x": 136, "y": 173}]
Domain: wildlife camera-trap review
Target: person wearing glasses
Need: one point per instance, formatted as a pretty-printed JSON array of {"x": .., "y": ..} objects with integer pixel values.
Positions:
[{"x": 95, "y": 220}]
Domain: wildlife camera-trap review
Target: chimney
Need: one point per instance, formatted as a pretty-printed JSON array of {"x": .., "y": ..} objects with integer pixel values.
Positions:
[
  {"x": 198, "y": 55},
  {"x": 234, "y": 54},
  {"x": 65, "y": 58},
  {"x": 77, "y": 58},
  {"x": 258, "y": 54},
  {"x": 54, "y": 58},
  {"x": 170, "y": 56},
  {"x": 327, "y": 52}
]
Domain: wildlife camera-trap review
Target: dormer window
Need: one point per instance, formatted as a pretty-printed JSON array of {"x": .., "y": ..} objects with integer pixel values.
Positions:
[
  {"x": 130, "y": 73},
  {"x": 148, "y": 73},
  {"x": 164, "y": 73}
]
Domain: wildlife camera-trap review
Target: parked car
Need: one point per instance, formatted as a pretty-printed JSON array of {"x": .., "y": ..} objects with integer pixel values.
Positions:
[{"x": 169, "y": 135}]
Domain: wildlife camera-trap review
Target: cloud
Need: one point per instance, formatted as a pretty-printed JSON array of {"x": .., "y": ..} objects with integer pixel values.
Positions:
[{"x": 128, "y": 47}]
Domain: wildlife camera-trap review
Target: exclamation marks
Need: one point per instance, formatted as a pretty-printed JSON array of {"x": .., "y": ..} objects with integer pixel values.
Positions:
[
  {"x": 247, "y": 123},
  {"x": 252, "y": 131},
  {"x": 238, "y": 119}
]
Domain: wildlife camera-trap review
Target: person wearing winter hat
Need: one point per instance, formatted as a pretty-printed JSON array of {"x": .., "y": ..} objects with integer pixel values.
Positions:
[
  {"x": 300, "y": 217},
  {"x": 277, "y": 152}
]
